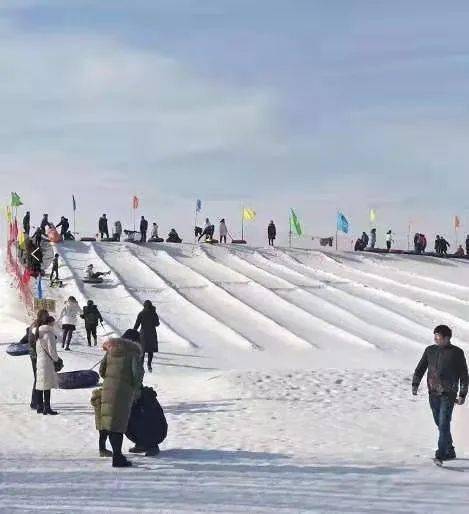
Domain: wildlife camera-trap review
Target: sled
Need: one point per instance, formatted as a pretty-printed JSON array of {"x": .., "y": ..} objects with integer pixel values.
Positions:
[
  {"x": 78, "y": 379},
  {"x": 171, "y": 241},
  {"x": 109, "y": 240},
  {"x": 98, "y": 280},
  {"x": 88, "y": 239},
  {"x": 57, "y": 283},
  {"x": 156, "y": 240},
  {"x": 211, "y": 241},
  {"x": 17, "y": 349},
  {"x": 238, "y": 242}
]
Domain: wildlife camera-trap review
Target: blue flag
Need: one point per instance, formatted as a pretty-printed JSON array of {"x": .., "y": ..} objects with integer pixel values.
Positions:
[
  {"x": 198, "y": 205},
  {"x": 39, "y": 287},
  {"x": 342, "y": 223},
  {"x": 74, "y": 203}
]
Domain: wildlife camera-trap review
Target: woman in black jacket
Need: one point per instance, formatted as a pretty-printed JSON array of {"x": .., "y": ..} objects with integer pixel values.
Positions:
[{"x": 147, "y": 321}]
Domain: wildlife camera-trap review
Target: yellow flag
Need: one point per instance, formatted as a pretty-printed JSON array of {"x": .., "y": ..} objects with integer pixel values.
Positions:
[
  {"x": 372, "y": 215},
  {"x": 249, "y": 214},
  {"x": 8, "y": 214},
  {"x": 21, "y": 240}
]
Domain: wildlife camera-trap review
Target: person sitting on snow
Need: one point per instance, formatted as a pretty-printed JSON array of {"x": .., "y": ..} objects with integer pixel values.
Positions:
[
  {"x": 90, "y": 274},
  {"x": 154, "y": 232},
  {"x": 173, "y": 237},
  {"x": 459, "y": 252}
]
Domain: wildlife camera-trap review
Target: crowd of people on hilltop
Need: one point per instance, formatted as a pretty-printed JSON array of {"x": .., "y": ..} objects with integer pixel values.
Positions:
[
  {"x": 122, "y": 370},
  {"x": 441, "y": 245}
]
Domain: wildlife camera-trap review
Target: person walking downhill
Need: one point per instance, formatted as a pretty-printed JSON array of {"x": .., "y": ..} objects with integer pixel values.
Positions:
[
  {"x": 47, "y": 363},
  {"x": 55, "y": 269},
  {"x": 271, "y": 233},
  {"x": 92, "y": 317},
  {"x": 147, "y": 321},
  {"x": 447, "y": 374},
  {"x": 122, "y": 373},
  {"x": 36, "y": 396},
  {"x": 69, "y": 318}
]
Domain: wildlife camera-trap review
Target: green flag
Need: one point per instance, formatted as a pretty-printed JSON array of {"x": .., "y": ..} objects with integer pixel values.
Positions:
[
  {"x": 295, "y": 223},
  {"x": 16, "y": 200}
]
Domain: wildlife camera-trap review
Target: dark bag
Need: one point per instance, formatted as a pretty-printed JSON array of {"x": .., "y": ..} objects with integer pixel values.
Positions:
[{"x": 58, "y": 364}]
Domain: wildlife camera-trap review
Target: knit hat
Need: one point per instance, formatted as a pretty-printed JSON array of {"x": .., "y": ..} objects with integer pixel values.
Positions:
[{"x": 132, "y": 335}]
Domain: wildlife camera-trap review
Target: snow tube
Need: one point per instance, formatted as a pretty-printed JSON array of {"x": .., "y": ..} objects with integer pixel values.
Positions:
[
  {"x": 211, "y": 241},
  {"x": 147, "y": 423},
  {"x": 88, "y": 239},
  {"x": 109, "y": 240},
  {"x": 78, "y": 379},
  {"x": 156, "y": 240},
  {"x": 16, "y": 349},
  {"x": 172, "y": 241},
  {"x": 53, "y": 235},
  {"x": 99, "y": 280},
  {"x": 238, "y": 242}
]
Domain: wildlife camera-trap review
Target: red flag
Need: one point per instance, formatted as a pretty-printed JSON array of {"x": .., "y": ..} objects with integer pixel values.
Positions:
[
  {"x": 135, "y": 202},
  {"x": 457, "y": 222}
]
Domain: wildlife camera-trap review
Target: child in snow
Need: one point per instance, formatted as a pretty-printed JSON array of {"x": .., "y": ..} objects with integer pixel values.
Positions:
[{"x": 55, "y": 268}]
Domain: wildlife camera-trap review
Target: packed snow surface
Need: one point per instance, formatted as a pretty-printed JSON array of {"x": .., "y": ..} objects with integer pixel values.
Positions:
[{"x": 285, "y": 375}]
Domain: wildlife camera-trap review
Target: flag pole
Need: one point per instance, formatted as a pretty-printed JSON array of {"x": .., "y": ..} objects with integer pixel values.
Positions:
[
  {"x": 242, "y": 224},
  {"x": 289, "y": 230},
  {"x": 336, "y": 232}
]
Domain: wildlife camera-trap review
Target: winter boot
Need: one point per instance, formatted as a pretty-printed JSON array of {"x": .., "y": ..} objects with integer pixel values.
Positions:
[
  {"x": 105, "y": 453},
  {"x": 451, "y": 455},
  {"x": 152, "y": 452},
  {"x": 137, "y": 449},
  {"x": 119, "y": 461},
  {"x": 67, "y": 348},
  {"x": 47, "y": 410},
  {"x": 150, "y": 369}
]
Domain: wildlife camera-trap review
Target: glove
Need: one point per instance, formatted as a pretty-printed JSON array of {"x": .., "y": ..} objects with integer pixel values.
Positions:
[{"x": 414, "y": 390}]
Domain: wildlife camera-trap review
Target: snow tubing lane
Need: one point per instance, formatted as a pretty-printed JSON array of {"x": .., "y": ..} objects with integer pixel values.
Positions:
[
  {"x": 16, "y": 349},
  {"x": 78, "y": 379}
]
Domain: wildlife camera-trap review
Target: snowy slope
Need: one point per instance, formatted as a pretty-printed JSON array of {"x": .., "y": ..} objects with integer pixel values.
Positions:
[{"x": 285, "y": 375}]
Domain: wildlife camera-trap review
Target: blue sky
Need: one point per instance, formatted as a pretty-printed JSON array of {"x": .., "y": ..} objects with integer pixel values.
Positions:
[{"x": 317, "y": 105}]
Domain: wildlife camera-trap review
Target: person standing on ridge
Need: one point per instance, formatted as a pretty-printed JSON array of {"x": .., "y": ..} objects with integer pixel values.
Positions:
[
  {"x": 271, "y": 232},
  {"x": 373, "y": 238},
  {"x": 147, "y": 321},
  {"x": 223, "y": 231},
  {"x": 447, "y": 374},
  {"x": 64, "y": 226},
  {"x": 103, "y": 228},
  {"x": 27, "y": 223},
  {"x": 44, "y": 223},
  {"x": 389, "y": 240},
  {"x": 143, "y": 230},
  {"x": 117, "y": 231}
]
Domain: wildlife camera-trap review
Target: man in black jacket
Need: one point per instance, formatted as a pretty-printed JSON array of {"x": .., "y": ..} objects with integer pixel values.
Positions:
[
  {"x": 92, "y": 317},
  {"x": 102, "y": 226},
  {"x": 27, "y": 223},
  {"x": 143, "y": 230},
  {"x": 447, "y": 374},
  {"x": 64, "y": 224}
]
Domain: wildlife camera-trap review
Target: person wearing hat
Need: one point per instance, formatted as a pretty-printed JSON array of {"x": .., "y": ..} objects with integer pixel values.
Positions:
[
  {"x": 92, "y": 317},
  {"x": 122, "y": 373}
]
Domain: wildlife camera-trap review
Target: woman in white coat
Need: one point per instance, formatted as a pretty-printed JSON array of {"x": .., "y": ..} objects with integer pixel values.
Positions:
[
  {"x": 46, "y": 376},
  {"x": 69, "y": 317},
  {"x": 223, "y": 231}
]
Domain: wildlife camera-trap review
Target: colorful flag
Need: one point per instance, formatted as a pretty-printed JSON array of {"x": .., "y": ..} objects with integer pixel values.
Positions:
[
  {"x": 198, "y": 206},
  {"x": 8, "y": 214},
  {"x": 21, "y": 240},
  {"x": 372, "y": 215},
  {"x": 135, "y": 202},
  {"x": 295, "y": 223},
  {"x": 342, "y": 223},
  {"x": 15, "y": 200},
  {"x": 74, "y": 203},
  {"x": 249, "y": 214},
  {"x": 39, "y": 288},
  {"x": 457, "y": 222}
]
